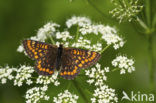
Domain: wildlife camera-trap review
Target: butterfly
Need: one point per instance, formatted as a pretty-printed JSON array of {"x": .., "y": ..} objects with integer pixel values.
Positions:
[{"x": 68, "y": 61}]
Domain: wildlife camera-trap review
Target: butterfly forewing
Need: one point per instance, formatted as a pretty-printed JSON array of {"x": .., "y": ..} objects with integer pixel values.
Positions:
[
  {"x": 35, "y": 49},
  {"x": 44, "y": 54},
  {"x": 75, "y": 59},
  {"x": 46, "y": 64}
]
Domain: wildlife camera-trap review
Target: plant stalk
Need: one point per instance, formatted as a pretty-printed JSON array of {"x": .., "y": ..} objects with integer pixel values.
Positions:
[
  {"x": 80, "y": 91},
  {"x": 98, "y": 10},
  {"x": 104, "y": 49},
  {"x": 52, "y": 40},
  {"x": 151, "y": 62},
  {"x": 77, "y": 34}
]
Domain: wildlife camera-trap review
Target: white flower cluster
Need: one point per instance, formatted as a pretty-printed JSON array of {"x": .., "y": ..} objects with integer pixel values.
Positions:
[
  {"x": 47, "y": 30},
  {"x": 88, "y": 29},
  {"x": 34, "y": 95},
  {"x": 113, "y": 39},
  {"x": 85, "y": 43},
  {"x": 24, "y": 74},
  {"x": 63, "y": 35},
  {"x": 82, "y": 43},
  {"x": 97, "y": 75},
  {"x": 103, "y": 94},
  {"x": 6, "y": 73},
  {"x": 48, "y": 79},
  {"x": 126, "y": 9},
  {"x": 124, "y": 64},
  {"x": 80, "y": 21},
  {"x": 107, "y": 33},
  {"x": 66, "y": 97}
]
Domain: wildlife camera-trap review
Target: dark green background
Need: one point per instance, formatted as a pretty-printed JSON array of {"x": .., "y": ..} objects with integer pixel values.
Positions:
[{"x": 21, "y": 19}]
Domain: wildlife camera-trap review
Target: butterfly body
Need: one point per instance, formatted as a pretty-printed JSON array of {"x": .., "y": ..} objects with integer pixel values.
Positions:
[
  {"x": 68, "y": 61},
  {"x": 59, "y": 57}
]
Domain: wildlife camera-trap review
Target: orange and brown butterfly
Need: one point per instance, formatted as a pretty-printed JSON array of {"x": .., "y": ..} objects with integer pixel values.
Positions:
[{"x": 68, "y": 61}]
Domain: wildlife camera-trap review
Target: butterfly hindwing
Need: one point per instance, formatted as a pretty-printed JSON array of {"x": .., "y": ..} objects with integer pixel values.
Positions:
[
  {"x": 75, "y": 59},
  {"x": 35, "y": 49},
  {"x": 46, "y": 64},
  {"x": 68, "y": 69}
]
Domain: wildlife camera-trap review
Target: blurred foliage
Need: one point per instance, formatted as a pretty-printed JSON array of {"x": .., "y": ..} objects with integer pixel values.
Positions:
[{"x": 20, "y": 19}]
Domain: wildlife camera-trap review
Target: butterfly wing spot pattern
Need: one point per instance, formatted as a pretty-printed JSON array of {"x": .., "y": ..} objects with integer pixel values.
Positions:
[
  {"x": 35, "y": 49},
  {"x": 78, "y": 59},
  {"x": 42, "y": 69},
  {"x": 50, "y": 58}
]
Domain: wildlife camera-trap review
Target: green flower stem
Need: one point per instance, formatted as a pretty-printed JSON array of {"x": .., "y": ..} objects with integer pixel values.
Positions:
[
  {"x": 151, "y": 62},
  {"x": 77, "y": 33},
  {"x": 52, "y": 40},
  {"x": 115, "y": 69},
  {"x": 142, "y": 24},
  {"x": 148, "y": 11},
  {"x": 92, "y": 4},
  {"x": 104, "y": 49},
  {"x": 69, "y": 84},
  {"x": 80, "y": 91},
  {"x": 89, "y": 92},
  {"x": 149, "y": 32}
]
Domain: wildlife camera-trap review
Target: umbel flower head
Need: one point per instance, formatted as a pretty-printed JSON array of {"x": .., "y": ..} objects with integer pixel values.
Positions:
[
  {"x": 65, "y": 97},
  {"x": 24, "y": 74},
  {"x": 80, "y": 33},
  {"x": 124, "y": 64},
  {"x": 48, "y": 79},
  {"x": 126, "y": 10},
  {"x": 104, "y": 95},
  {"x": 34, "y": 95},
  {"x": 6, "y": 73},
  {"x": 97, "y": 75}
]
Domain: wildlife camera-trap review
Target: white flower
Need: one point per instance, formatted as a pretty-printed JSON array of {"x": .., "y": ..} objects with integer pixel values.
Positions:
[
  {"x": 24, "y": 74},
  {"x": 47, "y": 30},
  {"x": 96, "y": 75},
  {"x": 35, "y": 94},
  {"x": 29, "y": 82},
  {"x": 124, "y": 64},
  {"x": 6, "y": 73},
  {"x": 80, "y": 21},
  {"x": 34, "y": 38},
  {"x": 20, "y": 48},
  {"x": 48, "y": 79},
  {"x": 103, "y": 94},
  {"x": 65, "y": 97}
]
